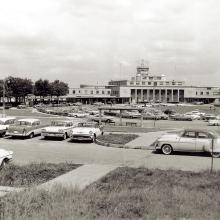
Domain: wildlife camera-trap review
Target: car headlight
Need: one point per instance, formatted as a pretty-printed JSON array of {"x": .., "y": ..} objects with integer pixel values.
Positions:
[
  {"x": 91, "y": 133},
  {"x": 61, "y": 131},
  {"x": 43, "y": 130}
]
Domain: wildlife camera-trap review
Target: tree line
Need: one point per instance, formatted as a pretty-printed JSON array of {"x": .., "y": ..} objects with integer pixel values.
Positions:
[{"x": 19, "y": 88}]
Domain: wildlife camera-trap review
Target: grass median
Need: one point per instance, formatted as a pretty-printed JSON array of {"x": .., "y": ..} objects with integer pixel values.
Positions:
[
  {"x": 117, "y": 138},
  {"x": 126, "y": 193},
  {"x": 32, "y": 174}
]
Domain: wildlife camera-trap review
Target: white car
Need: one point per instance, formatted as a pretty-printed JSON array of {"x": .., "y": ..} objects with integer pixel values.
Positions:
[
  {"x": 190, "y": 140},
  {"x": 193, "y": 116},
  {"x": 78, "y": 114},
  {"x": 58, "y": 128},
  {"x": 4, "y": 124},
  {"x": 214, "y": 121},
  {"x": 86, "y": 131},
  {"x": 27, "y": 127},
  {"x": 5, "y": 157}
]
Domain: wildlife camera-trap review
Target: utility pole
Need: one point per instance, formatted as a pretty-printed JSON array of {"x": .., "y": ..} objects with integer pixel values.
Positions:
[{"x": 3, "y": 112}]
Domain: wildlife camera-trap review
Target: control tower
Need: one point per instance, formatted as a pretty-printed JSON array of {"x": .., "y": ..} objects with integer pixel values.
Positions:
[{"x": 143, "y": 69}]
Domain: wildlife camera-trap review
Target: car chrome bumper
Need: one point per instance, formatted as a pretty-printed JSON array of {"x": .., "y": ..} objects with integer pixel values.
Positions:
[
  {"x": 52, "y": 134},
  {"x": 81, "y": 137}
]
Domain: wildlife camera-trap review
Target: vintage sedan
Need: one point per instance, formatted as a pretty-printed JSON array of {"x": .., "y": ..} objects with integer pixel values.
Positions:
[
  {"x": 4, "y": 124},
  {"x": 214, "y": 122},
  {"x": 58, "y": 129},
  {"x": 78, "y": 114},
  {"x": 103, "y": 118},
  {"x": 86, "y": 131},
  {"x": 190, "y": 140},
  {"x": 27, "y": 127},
  {"x": 5, "y": 157}
]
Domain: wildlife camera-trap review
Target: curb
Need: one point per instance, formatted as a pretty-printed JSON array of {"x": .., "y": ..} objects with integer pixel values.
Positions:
[{"x": 102, "y": 143}]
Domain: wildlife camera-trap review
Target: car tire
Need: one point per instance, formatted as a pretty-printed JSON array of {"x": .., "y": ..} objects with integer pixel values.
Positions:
[
  {"x": 215, "y": 154},
  {"x": 94, "y": 138},
  {"x": 166, "y": 149},
  {"x": 108, "y": 121},
  {"x": 31, "y": 135},
  {"x": 4, "y": 162},
  {"x": 64, "y": 136}
]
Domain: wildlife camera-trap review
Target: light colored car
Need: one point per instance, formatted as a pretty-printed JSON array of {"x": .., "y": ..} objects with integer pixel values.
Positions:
[
  {"x": 214, "y": 122},
  {"x": 58, "y": 129},
  {"x": 27, "y": 127},
  {"x": 190, "y": 140},
  {"x": 104, "y": 118},
  {"x": 78, "y": 114},
  {"x": 131, "y": 114},
  {"x": 5, "y": 157},
  {"x": 86, "y": 131},
  {"x": 4, "y": 124},
  {"x": 193, "y": 116}
]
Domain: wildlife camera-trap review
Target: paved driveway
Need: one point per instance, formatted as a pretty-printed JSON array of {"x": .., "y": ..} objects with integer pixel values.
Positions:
[{"x": 38, "y": 150}]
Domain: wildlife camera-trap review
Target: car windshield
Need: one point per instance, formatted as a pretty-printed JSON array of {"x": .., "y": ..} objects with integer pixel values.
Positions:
[
  {"x": 23, "y": 123},
  {"x": 86, "y": 125},
  {"x": 58, "y": 123}
]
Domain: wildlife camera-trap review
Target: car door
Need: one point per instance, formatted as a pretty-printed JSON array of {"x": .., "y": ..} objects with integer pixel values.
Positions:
[
  {"x": 187, "y": 141},
  {"x": 203, "y": 142}
]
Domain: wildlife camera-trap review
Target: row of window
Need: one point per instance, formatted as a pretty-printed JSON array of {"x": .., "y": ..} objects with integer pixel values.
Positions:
[
  {"x": 91, "y": 92},
  {"x": 157, "y": 83},
  {"x": 202, "y": 93}
]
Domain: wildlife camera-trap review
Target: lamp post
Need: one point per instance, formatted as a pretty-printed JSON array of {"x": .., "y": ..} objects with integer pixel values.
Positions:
[{"x": 3, "y": 102}]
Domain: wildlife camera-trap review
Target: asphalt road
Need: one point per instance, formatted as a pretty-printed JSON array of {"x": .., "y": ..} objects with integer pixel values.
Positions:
[{"x": 40, "y": 150}]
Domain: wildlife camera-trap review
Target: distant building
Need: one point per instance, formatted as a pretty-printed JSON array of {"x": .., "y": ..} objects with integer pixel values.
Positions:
[
  {"x": 144, "y": 87},
  {"x": 89, "y": 94}
]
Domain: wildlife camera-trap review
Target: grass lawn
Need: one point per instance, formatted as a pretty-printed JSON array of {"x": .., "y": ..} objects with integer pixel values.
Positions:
[
  {"x": 126, "y": 193},
  {"x": 117, "y": 138},
  {"x": 32, "y": 174}
]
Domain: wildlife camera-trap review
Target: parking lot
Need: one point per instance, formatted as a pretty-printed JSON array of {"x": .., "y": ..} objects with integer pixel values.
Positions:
[{"x": 38, "y": 149}]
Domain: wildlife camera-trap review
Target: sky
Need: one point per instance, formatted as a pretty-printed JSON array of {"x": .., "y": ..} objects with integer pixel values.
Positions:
[{"x": 95, "y": 41}]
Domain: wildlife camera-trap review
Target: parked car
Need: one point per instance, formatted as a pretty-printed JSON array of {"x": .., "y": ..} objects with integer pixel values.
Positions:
[
  {"x": 214, "y": 121},
  {"x": 78, "y": 114},
  {"x": 190, "y": 140},
  {"x": 208, "y": 117},
  {"x": 180, "y": 117},
  {"x": 130, "y": 114},
  {"x": 151, "y": 116},
  {"x": 86, "y": 131},
  {"x": 58, "y": 129},
  {"x": 193, "y": 116},
  {"x": 5, "y": 157},
  {"x": 104, "y": 118},
  {"x": 23, "y": 106},
  {"x": 4, "y": 124},
  {"x": 27, "y": 127}
]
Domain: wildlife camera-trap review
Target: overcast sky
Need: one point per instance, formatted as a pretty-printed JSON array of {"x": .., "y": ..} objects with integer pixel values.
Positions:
[{"x": 90, "y": 41}]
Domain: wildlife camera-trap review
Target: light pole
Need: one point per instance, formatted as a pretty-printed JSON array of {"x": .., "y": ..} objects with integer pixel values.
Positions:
[{"x": 3, "y": 111}]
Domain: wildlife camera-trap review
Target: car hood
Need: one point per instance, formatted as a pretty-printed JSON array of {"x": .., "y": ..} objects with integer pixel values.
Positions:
[
  {"x": 5, "y": 152},
  {"x": 54, "y": 128},
  {"x": 84, "y": 130}
]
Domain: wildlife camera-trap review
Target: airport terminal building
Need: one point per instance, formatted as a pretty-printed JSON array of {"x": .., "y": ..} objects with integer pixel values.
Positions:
[{"x": 145, "y": 87}]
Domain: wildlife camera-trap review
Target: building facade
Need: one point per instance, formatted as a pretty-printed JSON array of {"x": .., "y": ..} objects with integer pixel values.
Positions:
[{"x": 145, "y": 87}]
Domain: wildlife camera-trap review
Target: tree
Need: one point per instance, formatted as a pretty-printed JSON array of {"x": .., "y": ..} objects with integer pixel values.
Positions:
[
  {"x": 42, "y": 88},
  {"x": 59, "y": 88},
  {"x": 19, "y": 88}
]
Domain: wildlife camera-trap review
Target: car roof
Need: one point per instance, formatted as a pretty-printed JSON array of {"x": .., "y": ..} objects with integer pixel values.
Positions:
[
  {"x": 62, "y": 121},
  {"x": 7, "y": 118},
  {"x": 31, "y": 120}
]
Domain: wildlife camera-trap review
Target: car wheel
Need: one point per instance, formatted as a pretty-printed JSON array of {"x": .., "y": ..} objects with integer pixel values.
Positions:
[
  {"x": 31, "y": 135},
  {"x": 94, "y": 138},
  {"x": 108, "y": 121},
  {"x": 215, "y": 154},
  {"x": 64, "y": 136},
  {"x": 3, "y": 163},
  {"x": 166, "y": 149}
]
